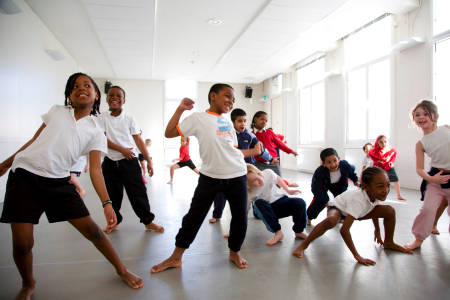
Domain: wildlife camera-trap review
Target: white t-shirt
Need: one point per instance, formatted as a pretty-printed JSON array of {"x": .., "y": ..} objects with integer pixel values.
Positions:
[
  {"x": 367, "y": 162},
  {"x": 61, "y": 143},
  {"x": 120, "y": 131},
  {"x": 335, "y": 176},
  {"x": 218, "y": 144},
  {"x": 437, "y": 146},
  {"x": 79, "y": 165},
  {"x": 354, "y": 202},
  {"x": 269, "y": 191}
]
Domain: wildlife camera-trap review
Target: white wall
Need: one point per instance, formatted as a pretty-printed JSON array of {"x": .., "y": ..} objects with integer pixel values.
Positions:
[{"x": 30, "y": 81}]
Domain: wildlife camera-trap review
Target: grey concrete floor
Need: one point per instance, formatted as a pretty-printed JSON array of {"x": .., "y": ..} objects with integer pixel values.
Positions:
[{"x": 67, "y": 266}]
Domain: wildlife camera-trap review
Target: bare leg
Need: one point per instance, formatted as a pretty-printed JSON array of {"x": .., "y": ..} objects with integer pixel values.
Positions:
[
  {"x": 174, "y": 261},
  {"x": 74, "y": 180},
  {"x": 397, "y": 189},
  {"x": 332, "y": 219},
  {"x": 197, "y": 171},
  {"x": 213, "y": 220},
  {"x": 278, "y": 236},
  {"x": 155, "y": 227},
  {"x": 172, "y": 169},
  {"x": 292, "y": 184},
  {"x": 143, "y": 167},
  {"x": 438, "y": 215},
  {"x": 23, "y": 241},
  {"x": 238, "y": 260},
  {"x": 87, "y": 227},
  {"x": 387, "y": 212}
]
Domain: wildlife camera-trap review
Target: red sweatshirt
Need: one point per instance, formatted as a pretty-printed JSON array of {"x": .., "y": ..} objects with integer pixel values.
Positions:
[
  {"x": 184, "y": 153},
  {"x": 270, "y": 142},
  {"x": 383, "y": 160}
]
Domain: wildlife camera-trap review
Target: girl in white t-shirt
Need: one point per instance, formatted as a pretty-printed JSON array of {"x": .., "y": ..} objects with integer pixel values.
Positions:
[
  {"x": 271, "y": 203},
  {"x": 436, "y": 144},
  {"x": 360, "y": 204},
  {"x": 39, "y": 180}
]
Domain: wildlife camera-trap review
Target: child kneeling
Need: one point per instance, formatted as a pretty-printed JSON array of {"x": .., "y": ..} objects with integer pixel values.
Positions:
[
  {"x": 361, "y": 204},
  {"x": 271, "y": 203}
]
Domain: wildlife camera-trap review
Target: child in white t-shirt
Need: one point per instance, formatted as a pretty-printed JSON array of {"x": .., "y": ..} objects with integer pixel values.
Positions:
[
  {"x": 360, "y": 204},
  {"x": 39, "y": 180},
  {"x": 223, "y": 170},
  {"x": 272, "y": 203},
  {"x": 120, "y": 166},
  {"x": 367, "y": 161}
]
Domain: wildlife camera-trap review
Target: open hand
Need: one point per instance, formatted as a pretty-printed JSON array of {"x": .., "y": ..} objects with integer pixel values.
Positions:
[{"x": 110, "y": 215}]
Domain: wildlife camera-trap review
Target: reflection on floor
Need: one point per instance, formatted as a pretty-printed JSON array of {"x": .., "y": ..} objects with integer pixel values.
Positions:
[{"x": 67, "y": 266}]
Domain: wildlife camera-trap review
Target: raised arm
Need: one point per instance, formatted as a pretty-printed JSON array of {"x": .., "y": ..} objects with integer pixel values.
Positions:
[
  {"x": 347, "y": 237},
  {"x": 6, "y": 164},
  {"x": 95, "y": 172},
  {"x": 171, "y": 129},
  {"x": 141, "y": 146}
]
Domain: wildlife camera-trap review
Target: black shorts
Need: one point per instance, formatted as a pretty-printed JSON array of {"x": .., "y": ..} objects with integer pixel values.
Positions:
[
  {"x": 392, "y": 175},
  {"x": 29, "y": 195},
  {"x": 78, "y": 174},
  {"x": 187, "y": 163}
]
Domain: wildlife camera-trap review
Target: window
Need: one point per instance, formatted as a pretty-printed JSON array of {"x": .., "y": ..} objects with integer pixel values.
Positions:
[
  {"x": 310, "y": 79},
  {"x": 368, "y": 82},
  {"x": 175, "y": 90},
  {"x": 441, "y": 59}
]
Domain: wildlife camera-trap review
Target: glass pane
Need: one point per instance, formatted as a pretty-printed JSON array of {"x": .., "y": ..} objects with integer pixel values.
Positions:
[
  {"x": 379, "y": 99},
  {"x": 305, "y": 116},
  {"x": 311, "y": 73},
  {"x": 441, "y": 16},
  {"x": 318, "y": 113},
  {"x": 368, "y": 44},
  {"x": 356, "y": 105},
  {"x": 441, "y": 79}
]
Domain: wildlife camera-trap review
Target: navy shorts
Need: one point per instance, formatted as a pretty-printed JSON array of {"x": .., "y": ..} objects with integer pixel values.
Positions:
[
  {"x": 392, "y": 175},
  {"x": 29, "y": 195},
  {"x": 187, "y": 163}
]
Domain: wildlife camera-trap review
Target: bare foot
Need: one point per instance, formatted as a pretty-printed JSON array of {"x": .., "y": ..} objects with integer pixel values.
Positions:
[
  {"x": 155, "y": 227},
  {"x": 298, "y": 252},
  {"x": 400, "y": 197},
  {"x": 226, "y": 235},
  {"x": 309, "y": 222},
  {"x": 395, "y": 247},
  {"x": 170, "y": 182},
  {"x": 212, "y": 220},
  {"x": 293, "y": 184},
  {"x": 236, "y": 258},
  {"x": 435, "y": 230},
  {"x": 108, "y": 230},
  {"x": 132, "y": 280},
  {"x": 414, "y": 245},
  {"x": 301, "y": 235},
  {"x": 26, "y": 292},
  {"x": 275, "y": 239},
  {"x": 168, "y": 263}
]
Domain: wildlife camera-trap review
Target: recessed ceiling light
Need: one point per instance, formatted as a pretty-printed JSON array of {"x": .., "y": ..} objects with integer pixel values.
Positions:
[{"x": 214, "y": 21}]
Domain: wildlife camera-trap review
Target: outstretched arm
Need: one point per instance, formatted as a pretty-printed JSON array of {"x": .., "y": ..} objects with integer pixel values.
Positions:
[
  {"x": 345, "y": 233},
  {"x": 282, "y": 184},
  {"x": 171, "y": 129},
  {"x": 5, "y": 165},
  {"x": 95, "y": 172}
]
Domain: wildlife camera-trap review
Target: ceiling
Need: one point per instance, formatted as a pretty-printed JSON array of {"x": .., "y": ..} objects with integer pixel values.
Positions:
[{"x": 178, "y": 39}]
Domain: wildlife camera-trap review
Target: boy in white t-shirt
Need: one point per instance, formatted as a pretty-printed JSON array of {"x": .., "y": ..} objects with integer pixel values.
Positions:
[
  {"x": 120, "y": 166},
  {"x": 272, "y": 203},
  {"x": 223, "y": 170}
]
